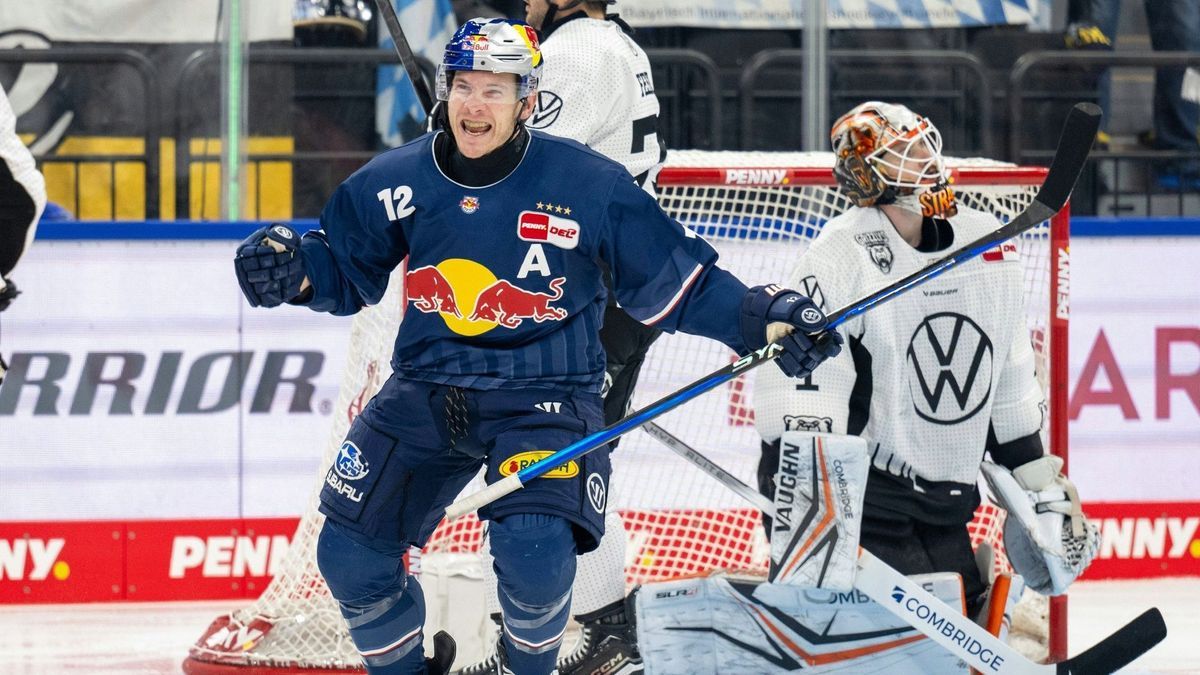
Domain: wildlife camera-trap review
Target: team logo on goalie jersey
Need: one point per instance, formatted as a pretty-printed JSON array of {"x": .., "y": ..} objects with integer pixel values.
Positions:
[
  {"x": 807, "y": 423},
  {"x": 951, "y": 352},
  {"x": 876, "y": 243}
]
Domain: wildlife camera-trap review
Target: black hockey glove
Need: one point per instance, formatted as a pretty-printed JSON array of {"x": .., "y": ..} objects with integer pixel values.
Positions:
[
  {"x": 270, "y": 266},
  {"x": 804, "y": 343},
  {"x": 8, "y": 293}
]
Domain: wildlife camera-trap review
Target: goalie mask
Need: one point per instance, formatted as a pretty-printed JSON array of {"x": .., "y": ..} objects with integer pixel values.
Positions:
[
  {"x": 885, "y": 153},
  {"x": 492, "y": 45}
]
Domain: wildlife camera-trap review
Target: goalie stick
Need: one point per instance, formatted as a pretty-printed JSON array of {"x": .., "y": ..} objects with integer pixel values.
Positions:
[
  {"x": 1079, "y": 132},
  {"x": 943, "y": 624}
]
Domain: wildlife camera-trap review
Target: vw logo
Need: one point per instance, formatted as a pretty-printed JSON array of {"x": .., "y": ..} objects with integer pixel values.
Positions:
[{"x": 950, "y": 362}]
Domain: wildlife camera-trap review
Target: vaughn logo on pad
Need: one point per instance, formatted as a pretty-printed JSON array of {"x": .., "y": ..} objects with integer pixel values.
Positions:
[{"x": 548, "y": 229}]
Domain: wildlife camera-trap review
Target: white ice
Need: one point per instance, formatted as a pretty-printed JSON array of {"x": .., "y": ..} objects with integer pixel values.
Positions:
[{"x": 152, "y": 638}]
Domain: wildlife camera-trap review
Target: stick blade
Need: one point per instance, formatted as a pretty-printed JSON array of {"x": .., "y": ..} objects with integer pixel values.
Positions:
[
  {"x": 1074, "y": 144},
  {"x": 1119, "y": 649}
]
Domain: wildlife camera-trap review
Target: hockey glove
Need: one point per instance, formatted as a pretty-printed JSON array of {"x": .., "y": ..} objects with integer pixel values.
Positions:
[
  {"x": 270, "y": 266},
  {"x": 773, "y": 314},
  {"x": 1046, "y": 536},
  {"x": 8, "y": 293}
]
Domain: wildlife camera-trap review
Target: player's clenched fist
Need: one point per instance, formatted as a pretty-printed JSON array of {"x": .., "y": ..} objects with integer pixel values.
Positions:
[
  {"x": 270, "y": 266},
  {"x": 773, "y": 314}
]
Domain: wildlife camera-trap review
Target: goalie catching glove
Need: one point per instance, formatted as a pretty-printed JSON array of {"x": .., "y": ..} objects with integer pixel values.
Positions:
[
  {"x": 1048, "y": 539},
  {"x": 270, "y": 266},
  {"x": 773, "y": 314}
]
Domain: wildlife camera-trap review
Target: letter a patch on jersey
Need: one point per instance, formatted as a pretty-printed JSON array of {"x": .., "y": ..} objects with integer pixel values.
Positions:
[{"x": 553, "y": 230}]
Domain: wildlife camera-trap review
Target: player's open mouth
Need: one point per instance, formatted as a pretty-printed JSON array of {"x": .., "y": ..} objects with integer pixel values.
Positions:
[{"x": 476, "y": 128}]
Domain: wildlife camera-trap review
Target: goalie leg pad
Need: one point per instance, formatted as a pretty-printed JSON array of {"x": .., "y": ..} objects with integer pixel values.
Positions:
[
  {"x": 819, "y": 492},
  {"x": 735, "y": 627},
  {"x": 384, "y": 608}
]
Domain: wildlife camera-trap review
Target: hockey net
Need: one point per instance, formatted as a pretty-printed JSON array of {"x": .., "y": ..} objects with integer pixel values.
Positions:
[{"x": 759, "y": 210}]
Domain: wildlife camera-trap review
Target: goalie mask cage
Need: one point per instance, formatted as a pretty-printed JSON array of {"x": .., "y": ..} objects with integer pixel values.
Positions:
[{"x": 759, "y": 210}]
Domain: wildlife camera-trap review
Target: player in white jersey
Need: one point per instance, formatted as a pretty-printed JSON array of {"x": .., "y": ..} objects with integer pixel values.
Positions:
[
  {"x": 933, "y": 378},
  {"x": 22, "y": 198},
  {"x": 597, "y": 88}
]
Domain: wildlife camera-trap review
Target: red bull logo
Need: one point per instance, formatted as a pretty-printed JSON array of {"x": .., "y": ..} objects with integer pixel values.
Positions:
[
  {"x": 469, "y": 204},
  {"x": 497, "y": 302},
  {"x": 520, "y": 461},
  {"x": 508, "y": 305},
  {"x": 430, "y": 292}
]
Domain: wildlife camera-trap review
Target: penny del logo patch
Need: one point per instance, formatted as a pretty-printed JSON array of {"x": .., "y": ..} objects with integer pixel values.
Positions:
[
  {"x": 545, "y": 228},
  {"x": 522, "y": 460}
]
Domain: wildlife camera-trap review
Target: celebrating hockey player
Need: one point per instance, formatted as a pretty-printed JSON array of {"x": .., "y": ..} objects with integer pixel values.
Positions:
[
  {"x": 22, "y": 198},
  {"x": 596, "y": 88},
  {"x": 932, "y": 379},
  {"x": 498, "y": 361}
]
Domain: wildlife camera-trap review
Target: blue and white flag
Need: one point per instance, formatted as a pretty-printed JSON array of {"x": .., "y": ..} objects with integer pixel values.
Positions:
[{"x": 428, "y": 25}]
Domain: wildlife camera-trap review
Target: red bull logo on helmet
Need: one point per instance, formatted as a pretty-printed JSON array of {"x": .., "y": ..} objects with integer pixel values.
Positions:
[{"x": 453, "y": 286}]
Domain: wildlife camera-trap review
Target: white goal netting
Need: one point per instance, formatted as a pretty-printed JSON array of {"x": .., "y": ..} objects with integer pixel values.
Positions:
[{"x": 759, "y": 210}]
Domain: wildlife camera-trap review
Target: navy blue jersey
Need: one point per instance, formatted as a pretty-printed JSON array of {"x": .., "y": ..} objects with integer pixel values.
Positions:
[{"x": 504, "y": 282}]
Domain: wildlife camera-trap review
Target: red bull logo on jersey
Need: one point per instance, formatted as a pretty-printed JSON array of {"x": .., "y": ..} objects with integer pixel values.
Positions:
[
  {"x": 522, "y": 460},
  {"x": 545, "y": 228},
  {"x": 469, "y": 204},
  {"x": 454, "y": 285},
  {"x": 508, "y": 305},
  {"x": 429, "y": 291}
]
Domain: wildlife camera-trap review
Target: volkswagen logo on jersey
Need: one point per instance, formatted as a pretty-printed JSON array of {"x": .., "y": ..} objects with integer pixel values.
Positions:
[
  {"x": 810, "y": 287},
  {"x": 950, "y": 361},
  {"x": 549, "y": 105},
  {"x": 469, "y": 204},
  {"x": 350, "y": 463}
]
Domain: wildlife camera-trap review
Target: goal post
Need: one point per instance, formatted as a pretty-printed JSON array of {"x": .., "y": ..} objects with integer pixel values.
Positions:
[{"x": 759, "y": 210}]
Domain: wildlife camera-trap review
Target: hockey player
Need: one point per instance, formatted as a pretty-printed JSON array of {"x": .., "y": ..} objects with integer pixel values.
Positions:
[
  {"x": 22, "y": 199},
  {"x": 596, "y": 88},
  {"x": 498, "y": 361},
  {"x": 932, "y": 379}
]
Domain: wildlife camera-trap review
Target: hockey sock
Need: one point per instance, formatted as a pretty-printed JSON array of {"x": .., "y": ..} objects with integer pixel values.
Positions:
[
  {"x": 384, "y": 608},
  {"x": 535, "y": 566}
]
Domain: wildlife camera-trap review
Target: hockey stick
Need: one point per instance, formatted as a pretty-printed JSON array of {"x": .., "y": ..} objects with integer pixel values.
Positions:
[
  {"x": 710, "y": 467},
  {"x": 1075, "y": 143},
  {"x": 405, "y": 52},
  {"x": 940, "y": 622}
]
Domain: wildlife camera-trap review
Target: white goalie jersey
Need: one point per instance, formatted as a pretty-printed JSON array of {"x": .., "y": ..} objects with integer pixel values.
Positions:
[
  {"x": 924, "y": 375},
  {"x": 596, "y": 88}
]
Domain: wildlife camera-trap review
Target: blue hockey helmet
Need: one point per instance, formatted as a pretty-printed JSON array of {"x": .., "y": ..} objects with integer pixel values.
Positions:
[{"x": 492, "y": 45}]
